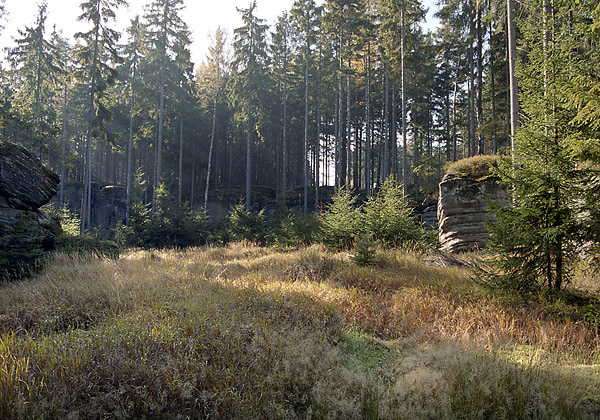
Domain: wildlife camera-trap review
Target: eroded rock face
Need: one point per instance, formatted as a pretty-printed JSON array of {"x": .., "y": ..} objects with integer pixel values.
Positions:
[
  {"x": 463, "y": 211},
  {"x": 25, "y": 185}
]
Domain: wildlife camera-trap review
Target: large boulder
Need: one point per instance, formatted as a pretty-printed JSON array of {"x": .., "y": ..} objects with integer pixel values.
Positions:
[
  {"x": 25, "y": 185},
  {"x": 463, "y": 204}
]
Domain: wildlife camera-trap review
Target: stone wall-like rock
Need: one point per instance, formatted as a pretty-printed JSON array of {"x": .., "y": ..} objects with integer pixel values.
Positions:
[
  {"x": 25, "y": 185},
  {"x": 463, "y": 211}
]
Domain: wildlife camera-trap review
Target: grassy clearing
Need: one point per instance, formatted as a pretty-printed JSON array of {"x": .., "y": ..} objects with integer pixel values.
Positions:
[{"x": 248, "y": 332}]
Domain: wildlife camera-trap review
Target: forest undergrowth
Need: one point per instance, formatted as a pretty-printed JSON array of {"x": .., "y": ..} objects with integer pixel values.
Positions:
[{"x": 250, "y": 332}]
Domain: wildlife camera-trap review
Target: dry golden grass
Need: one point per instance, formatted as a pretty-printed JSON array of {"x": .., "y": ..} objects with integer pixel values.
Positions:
[{"x": 248, "y": 332}]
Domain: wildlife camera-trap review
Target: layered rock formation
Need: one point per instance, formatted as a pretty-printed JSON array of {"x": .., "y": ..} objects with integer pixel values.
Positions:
[
  {"x": 463, "y": 210},
  {"x": 25, "y": 186}
]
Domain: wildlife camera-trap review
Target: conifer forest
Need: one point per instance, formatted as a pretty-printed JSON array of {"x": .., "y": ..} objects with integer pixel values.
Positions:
[
  {"x": 345, "y": 213},
  {"x": 342, "y": 93}
]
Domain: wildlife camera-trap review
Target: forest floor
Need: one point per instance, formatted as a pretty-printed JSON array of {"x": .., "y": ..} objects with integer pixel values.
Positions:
[{"x": 250, "y": 332}]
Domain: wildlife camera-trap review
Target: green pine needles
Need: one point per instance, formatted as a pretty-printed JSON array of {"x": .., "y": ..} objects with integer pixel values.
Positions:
[{"x": 385, "y": 217}]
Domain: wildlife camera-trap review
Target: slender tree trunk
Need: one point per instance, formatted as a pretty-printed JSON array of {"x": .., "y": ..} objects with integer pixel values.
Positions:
[
  {"x": 249, "y": 158},
  {"x": 285, "y": 145},
  {"x": 305, "y": 160},
  {"x": 472, "y": 94},
  {"x": 348, "y": 129},
  {"x": 161, "y": 109},
  {"x": 386, "y": 121},
  {"x": 63, "y": 134},
  {"x": 86, "y": 208},
  {"x": 192, "y": 186},
  {"x": 394, "y": 128},
  {"x": 405, "y": 169},
  {"x": 493, "y": 88},
  {"x": 318, "y": 138},
  {"x": 180, "y": 194},
  {"x": 337, "y": 145},
  {"x": 129, "y": 155},
  {"x": 454, "y": 157},
  {"x": 512, "y": 53},
  {"x": 368, "y": 127},
  {"x": 343, "y": 157},
  {"x": 480, "y": 145},
  {"x": 210, "y": 151}
]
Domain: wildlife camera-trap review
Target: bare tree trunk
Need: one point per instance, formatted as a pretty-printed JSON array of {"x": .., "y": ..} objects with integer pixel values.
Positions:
[
  {"x": 285, "y": 145},
  {"x": 86, "y": 206},
  {"x": 480, "y": 145},
  {"x": 210, "y": 151},
  {"x": 386, "y": 121},
  {"x": 368, "y": 128},
  {"x": 161, "y": 108},
  {"x": 249, "y": 157},
  {"x": 305, "y": 160},
  {"x": 180, "y": 195},
  {"x": 394, "y": 133},
  {"x": 129, "y": 156},
  {"x": 454, "y": 157},
  {"x": 512, "y": 58},
  {"x": 63, "y": 133},
  {"x": 405, "y": 169},
  {"x": 318, "y": 138}
]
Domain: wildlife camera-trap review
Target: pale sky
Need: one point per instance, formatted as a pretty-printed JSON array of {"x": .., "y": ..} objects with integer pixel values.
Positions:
[{"x": 202, "y": 16}]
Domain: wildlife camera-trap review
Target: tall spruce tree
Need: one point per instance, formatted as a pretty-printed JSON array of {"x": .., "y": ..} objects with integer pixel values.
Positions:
[
  {"x": 36, "y": 65},
  {"x": 167, "y": 37},
  {"x": 250, "y": 79},
  {"x": 535, "y": 235},
  {"x": 97, "y": 55}
]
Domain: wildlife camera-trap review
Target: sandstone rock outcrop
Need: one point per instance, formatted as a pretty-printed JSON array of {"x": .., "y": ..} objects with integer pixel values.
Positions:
[
  {"x": 25, "y": 185},
  {"x": 463, "y": 210}
]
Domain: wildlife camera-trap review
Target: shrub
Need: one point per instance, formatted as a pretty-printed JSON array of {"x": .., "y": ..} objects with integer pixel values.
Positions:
[
  {"x": 388, "y": 217},
  {"x": 365, "y": 252},
  {"x": 343, "y": 220},
  {"x": 171, "y": 225},
  {"x": 246, "y": 225},
  {"x": 21, "y": 249},
  {"x": 295, "y": 229}
]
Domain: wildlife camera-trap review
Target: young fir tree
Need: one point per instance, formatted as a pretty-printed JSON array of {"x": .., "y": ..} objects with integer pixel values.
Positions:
[
  {"x": 534, "y": 236},
  {"x": 343, "y": 221}
]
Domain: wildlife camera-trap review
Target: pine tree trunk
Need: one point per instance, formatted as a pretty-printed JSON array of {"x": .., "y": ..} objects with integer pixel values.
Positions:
[
  {"x": 386, "y": 121},
  {"x": 405, "y": 168},
  {"x": 285, "y": 145},
  {"x": 158, "y": 166},
  {"x": 348, "y": 127},
  {"x": 305, "y": 160},
  {"x": 368, "y": 127},
  {"x": 512, "y": 58},
  {"x": 129, "y": 157},
  {"x": 86, "y": 207},
  {"x": 249, "y": 158},
  {"x": 180, "y": 194},
  {"x": 63, "y": 134},
  {"x": 480, "y": 145},
  {"x": 318, "y": 138},
  {"x": 210, "y": 151}
]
